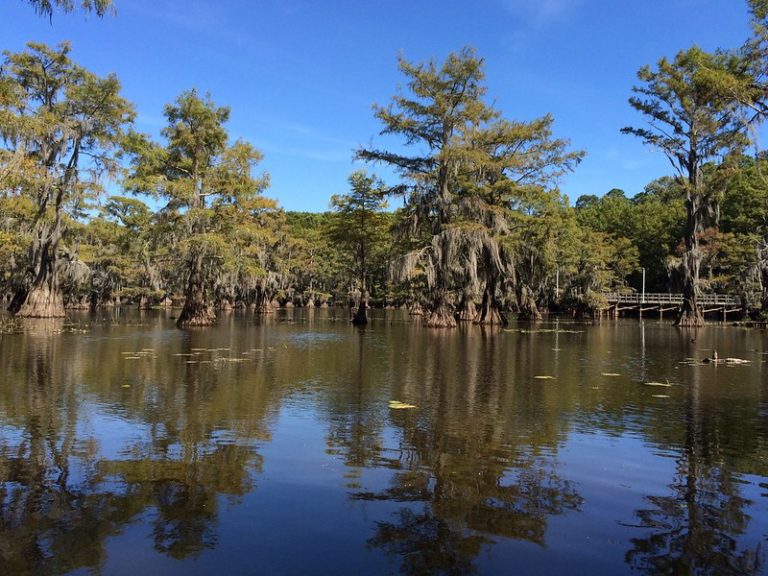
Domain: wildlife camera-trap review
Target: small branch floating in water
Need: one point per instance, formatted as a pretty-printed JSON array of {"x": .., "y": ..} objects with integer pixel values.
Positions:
[{"x": 397, "y": 405}]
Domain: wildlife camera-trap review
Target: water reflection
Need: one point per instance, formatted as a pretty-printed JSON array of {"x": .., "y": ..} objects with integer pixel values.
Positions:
[
  {"x": 196, "y": 440},
  {"x": 698, "y": 527},
  {"x": 466, "y": 474},
  {"x": 65, "y": 488}
]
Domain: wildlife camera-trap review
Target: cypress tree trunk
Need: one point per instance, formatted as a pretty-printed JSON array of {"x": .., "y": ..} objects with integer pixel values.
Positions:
[
  {"x": 764, "y": 295},
  {"x": 17, "y": 301},
  {"x": 361, "y": 316},
  {"x": 44, "y": 298},
  {"x": 262, "y": 302},
  {"x": 526, "y": 303},
  {"x": 690, "y": 313},
  {"x": 467, "y": 309},
  {"x": 42, "y": 302},
  {"x": 144, "y": 303},
  {"x": 441, "y": 315},
  {"x": 490, "y": 310},
  {"x": 197, "y": 310}
]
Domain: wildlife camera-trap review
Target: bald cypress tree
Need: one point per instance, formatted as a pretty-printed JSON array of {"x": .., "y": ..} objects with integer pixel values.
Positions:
[
  {"x": 61, "y": 128},
  {"x": 208, "y": 184},
  {"x": 359, "y": 227},
  {"x": 466, "y": 175},
  {"x": 443, "y": 102},
  {"x": 693, "y": 120}
]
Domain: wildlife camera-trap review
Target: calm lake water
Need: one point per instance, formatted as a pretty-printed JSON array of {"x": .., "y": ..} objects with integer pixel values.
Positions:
[{"x": 272, "y": 446}]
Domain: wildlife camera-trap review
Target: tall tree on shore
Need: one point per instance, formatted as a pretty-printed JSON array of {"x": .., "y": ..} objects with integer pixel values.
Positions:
[
  {"x": 359, "y": 227},
  {"x": 515, "y": 198},
  {"x": 208, "y": 183},
  {"x": 444, "y": 102},
  {"x": 467, "y": 175},
  {"x": 61, "y": 127},
  {"x": 693, "y": 121}
]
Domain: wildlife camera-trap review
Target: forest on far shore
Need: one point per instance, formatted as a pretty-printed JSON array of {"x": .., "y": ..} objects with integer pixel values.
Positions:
[{"x": 475, "y": 227}]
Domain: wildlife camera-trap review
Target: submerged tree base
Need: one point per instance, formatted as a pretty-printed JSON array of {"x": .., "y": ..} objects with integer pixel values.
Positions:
[
  {"x": 468, "y": 313},
  {"x": 361, "y": 317},
  {"x": 527, "y": 309},
  {"x": 690, "y": 319},
  {"x": 690, "y": 315},
  {"x": 492, "y": 317},
  {"x": 441, "y": 317},
  {"x": 528, "y": 314},
  {"x": 199, "y": 316},
  {"x": 42, "y": 303}
]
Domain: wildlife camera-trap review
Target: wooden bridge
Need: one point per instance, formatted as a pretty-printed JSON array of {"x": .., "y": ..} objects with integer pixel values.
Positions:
[{"x": 666, "y": 302}]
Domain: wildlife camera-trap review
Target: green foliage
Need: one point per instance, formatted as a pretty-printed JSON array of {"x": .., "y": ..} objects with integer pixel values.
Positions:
[
  {"x": 692, "y": 118},
  {"x": 61, "y": 127},
  {"x": 482, "y": 222},
  {"x": 744, "y": 208},
  {"x": 47, "y": 7},
  {"x": 469, "y": 172},
  {"x": 358, "y": 226},
  {"x": 652, "y": 222},
  {"x": 210, "y": 191}
]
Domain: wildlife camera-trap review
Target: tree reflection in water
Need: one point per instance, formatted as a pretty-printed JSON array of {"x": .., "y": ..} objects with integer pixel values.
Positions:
[
  {"x": 61, "y": 497},
  {"x": 467, "y": 472},
  {"x": 96, "y": 451},
  {"x": 696, "y": 529}
]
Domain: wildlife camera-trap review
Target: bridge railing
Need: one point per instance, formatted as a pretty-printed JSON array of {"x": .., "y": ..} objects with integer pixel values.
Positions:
[{"x": 670, "y": 299}]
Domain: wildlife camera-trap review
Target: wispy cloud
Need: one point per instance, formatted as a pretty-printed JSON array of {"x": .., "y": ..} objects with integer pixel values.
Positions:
[
  {"x": 638, "y": 160},
  {"x": 529, "y": 17},
  {"x": 318, "y": 154},
  {"x": 150, "y": 121},
  {"x": 191, "y": 15},
  {"x": 540, "y": 12},
  {"x": 300, "y": 140}
]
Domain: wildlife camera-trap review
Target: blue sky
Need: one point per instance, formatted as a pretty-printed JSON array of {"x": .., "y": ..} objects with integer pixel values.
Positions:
[{"x": 301, "y": 75}]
